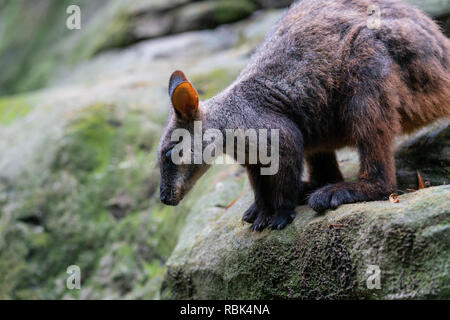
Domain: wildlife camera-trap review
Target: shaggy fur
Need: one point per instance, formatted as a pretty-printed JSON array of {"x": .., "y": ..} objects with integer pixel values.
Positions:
[{"x": 327, "y": 81}]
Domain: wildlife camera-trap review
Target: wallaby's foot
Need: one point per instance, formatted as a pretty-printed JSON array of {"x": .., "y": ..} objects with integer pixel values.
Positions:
[
  {"x": 277, "y": 191},
  {"x": 256, "y": 217},
  {"x": 251, "y": 214},
  {"x": 276, "y": 222},
  {"x": 261, "y": 222},
  {"x": 282, "y": 219},
  {"x": 333, "y": 195}
]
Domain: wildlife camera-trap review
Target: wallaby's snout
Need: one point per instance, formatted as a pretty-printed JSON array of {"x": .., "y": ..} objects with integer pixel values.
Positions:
[
  {"x": 167, "y": 198},
  {"x": 164, "y": 198},
  {"x": 172, "y": 183}
]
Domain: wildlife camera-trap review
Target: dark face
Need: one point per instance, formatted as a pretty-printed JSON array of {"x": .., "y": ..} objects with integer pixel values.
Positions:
[{"x": 178, "y": 177}]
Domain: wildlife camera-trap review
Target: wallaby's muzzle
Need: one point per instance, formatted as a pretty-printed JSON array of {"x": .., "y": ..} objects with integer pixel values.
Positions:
[{"x": 168, "y": 198}]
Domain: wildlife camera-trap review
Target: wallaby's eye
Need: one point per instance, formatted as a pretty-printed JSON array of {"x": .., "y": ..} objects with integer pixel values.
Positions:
[{"x": 169, "y": 153}]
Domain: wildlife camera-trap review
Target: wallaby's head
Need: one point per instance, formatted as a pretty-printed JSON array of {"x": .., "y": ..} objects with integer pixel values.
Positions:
[{"x": 176, "y": 149}]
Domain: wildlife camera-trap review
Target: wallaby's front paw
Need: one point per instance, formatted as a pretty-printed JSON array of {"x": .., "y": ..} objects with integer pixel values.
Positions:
[
  {"x": 251, "y": 214},
  {"x": 282, "y": 219},
  {"x": 261, "y": 222},
  {"x": 331, "y": 197}
]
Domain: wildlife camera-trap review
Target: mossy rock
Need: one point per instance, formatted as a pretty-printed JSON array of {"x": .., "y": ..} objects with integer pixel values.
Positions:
[
  {"x": 209, "y": 14},
  {"x": 318, "y": 256},
  {"x": 426, "y": 153},
  {"x": 210, "y": 83},
  {"x": 97, "y": 194},
  {"x": 13, "y": 108},
  {"x": 30, "y": 55}
]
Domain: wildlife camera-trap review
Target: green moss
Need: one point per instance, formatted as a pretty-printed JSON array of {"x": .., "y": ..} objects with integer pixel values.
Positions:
[
  {"x": 40, "y": 240},
  {"x": 102, "y": 34},
  {"x": 87, "y": 146},
  {"x": 29, "y": 55},
  {"x": 211, "y": 83},
  {"x": 96, "y": 206},
  {"x": 317, "y": 257},
  {"x": 154, "y": 269},
  {"x": 12, "y": 267},
  {"x": 13, "y": 108},
  {"x": 32, "y": 53},
  {"x": 227, "y": 11}
]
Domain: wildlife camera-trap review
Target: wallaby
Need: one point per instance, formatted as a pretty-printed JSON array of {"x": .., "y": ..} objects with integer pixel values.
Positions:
[{"x": 327, "y": 77}]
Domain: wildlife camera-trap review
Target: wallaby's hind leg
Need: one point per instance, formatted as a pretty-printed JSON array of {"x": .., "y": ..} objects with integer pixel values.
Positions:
[
  {"x": 370, "y": 119},
  {"x": 323, "y": 169},
  {"x": 377, "y": 176}
]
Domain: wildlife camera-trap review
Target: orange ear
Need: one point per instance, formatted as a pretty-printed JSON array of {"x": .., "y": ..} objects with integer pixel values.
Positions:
[{"x": 183, "y": 95}]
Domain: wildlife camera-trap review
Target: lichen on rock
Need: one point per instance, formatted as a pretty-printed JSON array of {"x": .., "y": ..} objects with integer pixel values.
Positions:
[{"x": 318, "y": 256}]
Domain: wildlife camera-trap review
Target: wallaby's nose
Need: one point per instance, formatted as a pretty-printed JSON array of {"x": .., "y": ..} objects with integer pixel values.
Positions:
[
  {"x": 166, "y": 199},
  {"x": 163, "y": 198}
]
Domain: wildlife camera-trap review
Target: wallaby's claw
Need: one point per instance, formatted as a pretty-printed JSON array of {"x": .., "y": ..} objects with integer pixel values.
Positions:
[
  {"x": 282, "y": 219},
  {"x": 251, "y": 214}
]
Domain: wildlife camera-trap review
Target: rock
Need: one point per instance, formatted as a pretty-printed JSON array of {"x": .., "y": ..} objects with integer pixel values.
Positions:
[
  {"x": 433, "y": 7},
  {"x": 440, "y": 10},
  {"x": 31, "y": 54},
  {"x": 77, "y": 201},
  {"x": 138, "y": 7},
  {"x": 209, "y": 14},
  {"x": 193, "y": 16},
  {"x": 78, "y": 174},
  {"x": 427, "y": 152},
  {"x": 273, "y": 3},
  {"x": 330, "y": 256},
  {"x": 445, "y": 23}
]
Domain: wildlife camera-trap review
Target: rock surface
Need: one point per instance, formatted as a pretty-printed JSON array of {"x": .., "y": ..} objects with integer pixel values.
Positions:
[
  {"x": 79, "y": 179},
  {"x": 427, "y": 152},
  {"x": 330, "y": 256}
]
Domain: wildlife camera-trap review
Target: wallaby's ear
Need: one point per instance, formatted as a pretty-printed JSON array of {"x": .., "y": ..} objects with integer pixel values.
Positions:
[{"x": 183, "y": 95}]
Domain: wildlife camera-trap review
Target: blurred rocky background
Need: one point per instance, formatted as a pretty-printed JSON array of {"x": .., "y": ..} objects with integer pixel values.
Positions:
[{"x": 81, "y": 112}]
